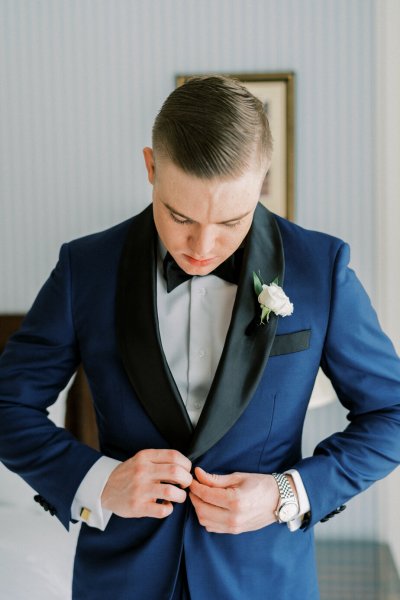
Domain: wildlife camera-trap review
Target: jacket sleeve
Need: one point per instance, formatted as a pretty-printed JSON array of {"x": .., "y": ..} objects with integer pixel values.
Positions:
[
  {"x": 365, "y": 371},
  {"x": 35, "y": 366}
]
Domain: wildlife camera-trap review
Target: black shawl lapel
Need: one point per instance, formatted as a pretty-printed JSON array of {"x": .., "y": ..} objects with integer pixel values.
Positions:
[
  {"x": 247, "y": 345},
  {"x": 139, "y": 338}
]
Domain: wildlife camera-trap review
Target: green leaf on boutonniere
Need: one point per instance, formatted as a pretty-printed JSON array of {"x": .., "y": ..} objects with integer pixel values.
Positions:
[
  {"x": 258, "y": 284},
  {"x": 264, "y": 314}
]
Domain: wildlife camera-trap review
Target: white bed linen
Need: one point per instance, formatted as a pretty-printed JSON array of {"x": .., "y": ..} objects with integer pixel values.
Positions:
[{"x": 36, "y": 551}]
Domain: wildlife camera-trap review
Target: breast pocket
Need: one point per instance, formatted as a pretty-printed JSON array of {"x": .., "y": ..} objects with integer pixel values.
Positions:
[{"x": 291, "y": 342}]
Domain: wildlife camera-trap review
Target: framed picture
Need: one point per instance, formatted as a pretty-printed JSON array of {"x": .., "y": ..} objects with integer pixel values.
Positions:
[{"x": 276, "y": 92}]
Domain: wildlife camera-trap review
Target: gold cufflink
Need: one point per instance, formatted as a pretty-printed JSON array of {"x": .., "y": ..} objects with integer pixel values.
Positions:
[{"x": 85, "y": 514}]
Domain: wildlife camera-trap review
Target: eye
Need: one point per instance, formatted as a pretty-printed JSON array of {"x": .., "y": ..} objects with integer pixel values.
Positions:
[
  {"x": 232, "y": 225},
  {"x": 179, "y": 220}
]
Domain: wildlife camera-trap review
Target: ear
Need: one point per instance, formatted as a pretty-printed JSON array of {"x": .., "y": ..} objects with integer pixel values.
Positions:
[{"x": 149, "y": 162}]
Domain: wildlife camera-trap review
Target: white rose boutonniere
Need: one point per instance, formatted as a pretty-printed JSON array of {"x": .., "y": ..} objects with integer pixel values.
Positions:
[{"x": 272, "y": 298}]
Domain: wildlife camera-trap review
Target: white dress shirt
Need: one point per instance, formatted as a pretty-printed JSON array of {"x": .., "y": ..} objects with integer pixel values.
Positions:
[{"x": 193, "y": 353}]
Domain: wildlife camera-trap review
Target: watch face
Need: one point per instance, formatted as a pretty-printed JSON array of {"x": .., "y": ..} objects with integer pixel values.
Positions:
[{"x": 288, "y": 511}]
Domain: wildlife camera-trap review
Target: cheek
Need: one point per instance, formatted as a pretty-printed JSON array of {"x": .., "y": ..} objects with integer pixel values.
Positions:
[
  {"x": 165, "y": 229},
  {"x": 232, "y": 239},
  {"x": 173, "y": 236}
]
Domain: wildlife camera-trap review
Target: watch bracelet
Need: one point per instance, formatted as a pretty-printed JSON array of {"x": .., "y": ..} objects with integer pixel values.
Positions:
[{"x": 285, "y": 489}]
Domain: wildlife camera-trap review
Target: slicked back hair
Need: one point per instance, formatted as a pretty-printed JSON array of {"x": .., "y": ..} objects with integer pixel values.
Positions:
[{"x": 212, "y": 126}]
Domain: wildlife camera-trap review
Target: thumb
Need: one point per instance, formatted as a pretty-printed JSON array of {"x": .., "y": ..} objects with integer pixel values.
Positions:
[{"x": 214, "y": 480}]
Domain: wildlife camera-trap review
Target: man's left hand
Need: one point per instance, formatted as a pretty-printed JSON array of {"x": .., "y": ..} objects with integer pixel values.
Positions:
[{"x": 234, "y": 503}]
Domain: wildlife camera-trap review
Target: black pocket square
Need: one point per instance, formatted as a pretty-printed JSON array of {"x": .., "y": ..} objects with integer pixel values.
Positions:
[{"x": 291, "y": 342}]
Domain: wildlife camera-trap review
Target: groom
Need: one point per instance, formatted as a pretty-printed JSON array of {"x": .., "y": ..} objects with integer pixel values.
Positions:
[{"x": 201, "y": 375}]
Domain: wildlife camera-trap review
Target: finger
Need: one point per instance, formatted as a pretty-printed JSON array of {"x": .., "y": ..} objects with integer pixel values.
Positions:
[
  {"x": 217, "y": 520},
  {"x": 158, "y": 511},
  {"x": 214, "y": 480},
  {"x": 168, "y": 473},
  {"x": 218, "y": 528},
  {"x": 208, "y": 514},
  {"x": 170, "y": 493},
  {"x": 166, "y": 456},
  {"x": 214, "y": 496}
]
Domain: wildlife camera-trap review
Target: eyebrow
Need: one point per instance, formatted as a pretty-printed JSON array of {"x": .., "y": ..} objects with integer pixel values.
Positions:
[{"x": 176, "y": 212}]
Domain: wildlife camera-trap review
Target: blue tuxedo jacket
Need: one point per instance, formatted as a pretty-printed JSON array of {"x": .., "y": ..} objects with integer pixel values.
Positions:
[{"x": 99, "y": 307}]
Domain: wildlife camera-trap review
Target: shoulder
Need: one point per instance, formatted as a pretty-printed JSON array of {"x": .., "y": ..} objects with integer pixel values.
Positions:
[
  {"x": 310, "y": 247},
  {"x": 293, "y": 234},
  {"x": 313, "y": 256}
]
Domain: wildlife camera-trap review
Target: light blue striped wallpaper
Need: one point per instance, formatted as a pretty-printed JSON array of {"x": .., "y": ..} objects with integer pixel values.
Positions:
[{"x": 82, "y": 80}]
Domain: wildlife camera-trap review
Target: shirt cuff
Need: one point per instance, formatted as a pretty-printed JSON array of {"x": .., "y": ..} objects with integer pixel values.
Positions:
[
  {"x": 86, "y": 505},
  {"x": 304, "y": 503}
]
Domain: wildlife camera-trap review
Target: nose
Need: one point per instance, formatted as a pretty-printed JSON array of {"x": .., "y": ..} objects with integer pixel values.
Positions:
[{"x": 201, "y": 243}]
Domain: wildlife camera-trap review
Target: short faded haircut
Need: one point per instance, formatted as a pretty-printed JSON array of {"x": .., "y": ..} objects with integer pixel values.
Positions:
[{"x": 212, "y": 126}]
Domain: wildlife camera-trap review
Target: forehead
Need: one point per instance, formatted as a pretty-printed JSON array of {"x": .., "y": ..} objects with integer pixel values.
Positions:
[{"x": 206, "y": 200}]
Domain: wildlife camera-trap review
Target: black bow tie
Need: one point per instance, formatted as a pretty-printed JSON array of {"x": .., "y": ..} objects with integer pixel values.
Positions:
[{"x": 229, "y": 270}]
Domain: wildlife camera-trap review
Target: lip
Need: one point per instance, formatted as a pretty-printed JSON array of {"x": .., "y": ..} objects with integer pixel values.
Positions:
[{"x": 199, "y": 263}]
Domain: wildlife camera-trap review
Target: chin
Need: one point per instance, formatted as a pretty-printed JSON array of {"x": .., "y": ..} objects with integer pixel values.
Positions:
[{"x": 192, "y": 270}]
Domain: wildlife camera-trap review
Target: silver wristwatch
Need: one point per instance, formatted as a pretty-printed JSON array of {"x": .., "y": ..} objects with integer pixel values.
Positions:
[{"x": 288, "y": 506}]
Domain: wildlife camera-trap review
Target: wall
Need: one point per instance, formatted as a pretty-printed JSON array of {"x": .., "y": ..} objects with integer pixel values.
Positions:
[
  {"x": 388, "y": 194},
  {"x": 82, "y": 81}
]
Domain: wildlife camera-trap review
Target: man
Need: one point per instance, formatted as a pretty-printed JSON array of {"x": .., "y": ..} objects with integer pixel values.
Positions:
[{"x": 201, "y": 374}]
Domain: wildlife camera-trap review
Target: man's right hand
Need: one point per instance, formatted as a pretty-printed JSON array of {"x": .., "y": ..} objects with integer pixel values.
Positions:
[{"x": 133, "y": 488}]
